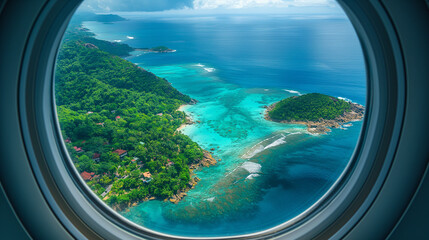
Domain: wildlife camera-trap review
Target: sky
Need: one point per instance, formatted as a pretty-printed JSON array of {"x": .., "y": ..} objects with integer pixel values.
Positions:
[{"x": 105, "y": 6}]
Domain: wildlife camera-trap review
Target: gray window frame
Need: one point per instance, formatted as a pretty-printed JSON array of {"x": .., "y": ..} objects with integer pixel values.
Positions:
[{"x": 80, "y": 214}]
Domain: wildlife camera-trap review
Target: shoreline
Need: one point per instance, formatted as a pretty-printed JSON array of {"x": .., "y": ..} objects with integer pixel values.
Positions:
[
  {"x": 154, "y": 51},
  {"x": 188, "y": 121},
  {"x": 323, "y": 126},
  {"x": 181, "y": 107},
  {"x": 181, "y": 127},
  {"x": 206, "y": 161}
]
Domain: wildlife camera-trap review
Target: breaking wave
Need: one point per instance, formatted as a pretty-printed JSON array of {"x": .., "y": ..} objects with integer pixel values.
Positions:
[
  {"x": 262, "y": 145},
  {"x": 207, "y": 69},
  {"x": 345, "y": 99},
  {"x": 293, "y": 92},
  {"x": 253, "y": 175},
  {"x": 276, "y": 143},
  {"x": 252, "y": 167}
]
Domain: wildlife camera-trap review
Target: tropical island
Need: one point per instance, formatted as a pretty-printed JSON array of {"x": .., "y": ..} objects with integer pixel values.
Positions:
[
  {"x": 159, "y": 49},
  {"x": 89, "y": 16},
  {"x": 116, "y": 48},
  {"x": 317, "y": 111},
  {"x": 119, "y": 123}
]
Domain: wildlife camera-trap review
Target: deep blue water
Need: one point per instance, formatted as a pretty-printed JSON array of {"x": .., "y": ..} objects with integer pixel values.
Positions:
[{"x": 234, "y": 65}]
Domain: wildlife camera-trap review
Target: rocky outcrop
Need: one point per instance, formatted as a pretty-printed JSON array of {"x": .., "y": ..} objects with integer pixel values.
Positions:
[
  {"x": 193, "y": 102},
  {"x": 124, "y": 206},
  {"x": 207, "y": 161},
  {"x": 183, "y": 193},
  {"x": 177, "y": 197}
]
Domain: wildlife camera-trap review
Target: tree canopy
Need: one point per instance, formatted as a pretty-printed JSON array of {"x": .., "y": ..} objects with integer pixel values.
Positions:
[
  {"x": 119, "y": 121},
  {"x": 309, "y": 107}
]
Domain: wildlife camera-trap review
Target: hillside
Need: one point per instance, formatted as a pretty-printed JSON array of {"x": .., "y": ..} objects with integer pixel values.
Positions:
[{"x": 119, "y": 124}]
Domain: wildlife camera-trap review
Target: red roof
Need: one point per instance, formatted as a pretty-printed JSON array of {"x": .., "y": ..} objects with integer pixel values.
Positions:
[
  {"x": 117, "y": 117},
  {"x": 77, "y": 149},
  {"x": 169, "y": 163},
  {"x": 86, "y": 175},
  {"x": 96, "y": 155},
  {"x": 120, "y": 151}
]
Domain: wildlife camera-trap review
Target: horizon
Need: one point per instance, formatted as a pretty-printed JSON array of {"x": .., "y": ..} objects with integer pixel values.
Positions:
[{"x": 216, "y": 7}]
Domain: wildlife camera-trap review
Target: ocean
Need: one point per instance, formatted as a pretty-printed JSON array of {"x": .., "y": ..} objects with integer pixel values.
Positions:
[{"x": 234, "y": 65}]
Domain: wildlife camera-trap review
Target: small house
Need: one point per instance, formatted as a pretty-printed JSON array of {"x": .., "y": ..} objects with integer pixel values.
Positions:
[
  {"x": 96, "y": 157},
  {"x": 87, "y": 176},
  {"x": 78, "y": 149},
  {"x": 121, "y": 153},
  {"x": 169, "y": 163},
  {"x": 147, "y": 175}
]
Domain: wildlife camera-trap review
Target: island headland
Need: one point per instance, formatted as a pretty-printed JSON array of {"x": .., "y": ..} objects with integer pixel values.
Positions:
[
  {"x": 159, "y": 49},
  {"x": 317, "y": 111}
]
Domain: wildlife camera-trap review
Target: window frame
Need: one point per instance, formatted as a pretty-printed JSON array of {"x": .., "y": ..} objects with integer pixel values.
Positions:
[{"x": 334, "y": 215}]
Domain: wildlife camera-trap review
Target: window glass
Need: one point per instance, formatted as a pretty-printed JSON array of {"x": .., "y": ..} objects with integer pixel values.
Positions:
[{"x": 210, "y": 118}]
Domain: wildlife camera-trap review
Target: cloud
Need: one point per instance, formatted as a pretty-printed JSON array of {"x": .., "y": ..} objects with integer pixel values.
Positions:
[
  {"x": 134, "y": 5},
  {"x": 238, "y": 4},
  {"x": 162, "y": 5},
  {"x": 213, "y": 4},
  {"x": 312, "y": 3}
]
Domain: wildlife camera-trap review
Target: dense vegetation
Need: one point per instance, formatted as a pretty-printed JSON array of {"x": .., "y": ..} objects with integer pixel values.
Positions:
[
  {"x": 309, "y": 107},
  {"x": 160, "y": 49},
  {"x": 82, "y": 34},
  {"x": 119, "y": 121},
  {"x": 89, "y": 16},
  {"x": 108, "y": 18}
]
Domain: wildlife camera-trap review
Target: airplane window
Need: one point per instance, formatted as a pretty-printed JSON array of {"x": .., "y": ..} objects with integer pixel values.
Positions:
[{"x": 211, "y": 119}]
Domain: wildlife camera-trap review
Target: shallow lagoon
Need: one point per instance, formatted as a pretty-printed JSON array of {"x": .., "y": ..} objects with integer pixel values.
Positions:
[{"x": 269, "y": 172}]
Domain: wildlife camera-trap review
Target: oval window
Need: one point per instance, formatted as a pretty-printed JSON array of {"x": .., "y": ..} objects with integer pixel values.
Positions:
[{"x": 209, "y": 118}]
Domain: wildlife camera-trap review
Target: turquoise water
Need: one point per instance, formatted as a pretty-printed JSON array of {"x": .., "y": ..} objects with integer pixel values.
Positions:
[{"x": 269, "y": 172}]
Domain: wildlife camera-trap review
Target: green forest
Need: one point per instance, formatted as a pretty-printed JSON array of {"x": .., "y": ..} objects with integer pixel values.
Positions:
[
  {"x": 78, "y": 33},
  {"x": 309, "y": 107},
  {"x": 160, "y": 49},
  {"x": 119, "y": 122}
]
